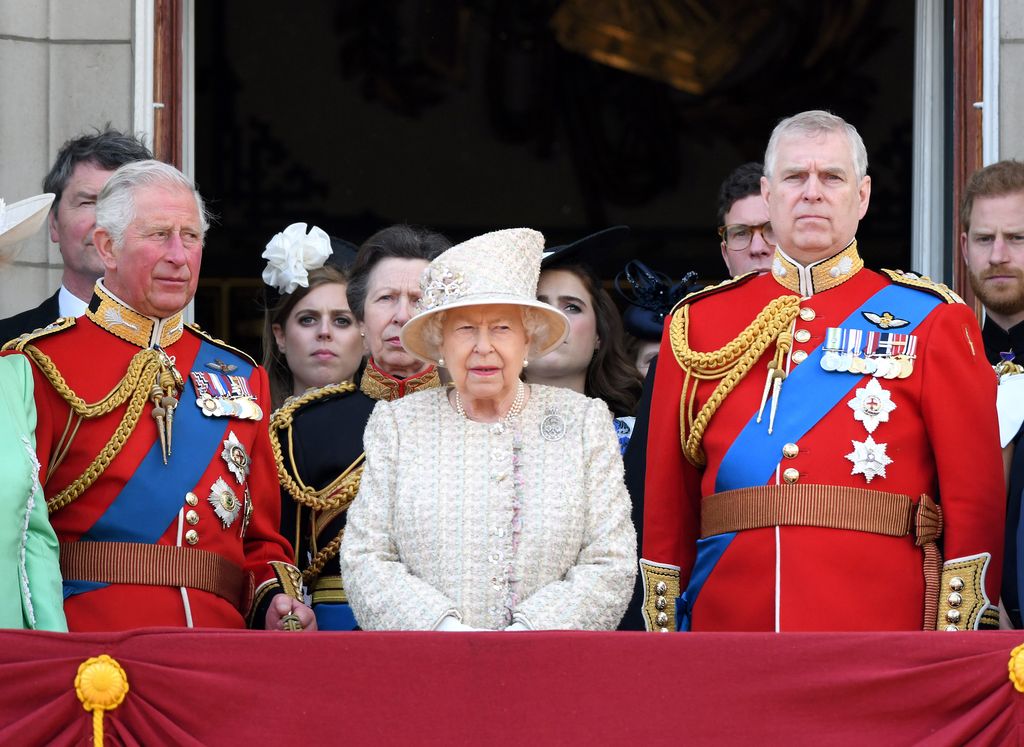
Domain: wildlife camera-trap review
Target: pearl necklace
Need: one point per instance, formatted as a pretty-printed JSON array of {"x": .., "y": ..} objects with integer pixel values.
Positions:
[{"x": 513, "y": 411}]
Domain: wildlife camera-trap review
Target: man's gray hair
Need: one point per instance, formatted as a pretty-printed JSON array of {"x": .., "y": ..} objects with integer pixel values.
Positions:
[
  {"x": 817, "y": 122},
  {"x": 115, "y": 207},
  {"x": 536, "y": 325}
]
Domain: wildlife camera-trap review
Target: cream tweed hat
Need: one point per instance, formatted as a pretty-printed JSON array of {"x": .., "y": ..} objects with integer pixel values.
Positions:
[
  {"x": 22, "y": 219},
  {"x": 501, "y": 267}
]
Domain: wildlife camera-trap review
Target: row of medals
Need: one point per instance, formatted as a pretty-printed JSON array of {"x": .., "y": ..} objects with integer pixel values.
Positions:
[{"x": 881, "y": 367}]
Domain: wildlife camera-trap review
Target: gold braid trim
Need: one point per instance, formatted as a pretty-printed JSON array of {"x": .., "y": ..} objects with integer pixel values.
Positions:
[
  {"x": 729, "y": 363},
  {"x": 144, "y": 367},
  {"x": 320, "y": 559},
  {"x": 342, "y": 490}
]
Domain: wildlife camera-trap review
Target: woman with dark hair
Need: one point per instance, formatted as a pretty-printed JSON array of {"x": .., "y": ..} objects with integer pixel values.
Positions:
[
  {"x": 593, "y": 359},
  {"x": 318, "y": 435}
]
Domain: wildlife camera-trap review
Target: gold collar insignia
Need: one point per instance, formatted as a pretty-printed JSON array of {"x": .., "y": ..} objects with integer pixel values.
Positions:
[
  {"x": 377, "y": 384},
  {"x": 819, "y": 276},
  {"x": 121, "y": 320}
]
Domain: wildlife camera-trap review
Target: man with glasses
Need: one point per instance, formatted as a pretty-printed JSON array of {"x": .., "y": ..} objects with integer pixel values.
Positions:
[
  {"x": 808, "y": 467},
  {"x": 748, "y": 243},
  {"x": 992, "y": 245}
]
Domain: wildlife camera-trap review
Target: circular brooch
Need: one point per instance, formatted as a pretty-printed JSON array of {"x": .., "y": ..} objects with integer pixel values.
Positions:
[{"x": 552, "y": 427}]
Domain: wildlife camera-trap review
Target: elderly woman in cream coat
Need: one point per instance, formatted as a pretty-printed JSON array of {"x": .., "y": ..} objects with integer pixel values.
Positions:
[{"x": 492, "y": 504}]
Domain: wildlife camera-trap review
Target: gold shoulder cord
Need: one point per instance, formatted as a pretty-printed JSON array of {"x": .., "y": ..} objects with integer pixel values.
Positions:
[
  {"x": 144, "y": 367},
  {"x": 729, "y": 363},
  {"x": 336, "y": 496}
]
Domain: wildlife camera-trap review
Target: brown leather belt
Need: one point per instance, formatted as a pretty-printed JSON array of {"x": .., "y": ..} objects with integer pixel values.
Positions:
[
  {"x": 152, "y": 565},
  {"x": 834, "y": 507}
]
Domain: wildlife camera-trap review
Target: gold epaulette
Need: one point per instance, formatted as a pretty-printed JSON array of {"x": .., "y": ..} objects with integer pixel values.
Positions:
[
  {"x": 925, "y": 283},
  {"x": 195, "y": 328},
  {"x": 712, "y": 289},
  {"x": 61, "y": 324}
]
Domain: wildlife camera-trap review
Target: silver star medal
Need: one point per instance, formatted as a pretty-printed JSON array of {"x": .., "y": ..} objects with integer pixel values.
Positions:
[
  {"x": 871, "y": 405},
  {"x": 236, "y": 457},
  {"x": 225, "y": 503},
  {"x": 869, "y": 459}
]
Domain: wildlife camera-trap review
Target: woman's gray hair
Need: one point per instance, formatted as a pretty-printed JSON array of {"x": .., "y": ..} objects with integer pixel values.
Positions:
[
  {"x": 536, "y": 325},
  {"x": 115, "y": 206},
  {"x": 817, "y": 122}
]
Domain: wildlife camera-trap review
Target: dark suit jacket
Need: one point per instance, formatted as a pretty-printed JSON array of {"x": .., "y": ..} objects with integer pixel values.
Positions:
[{"x": 32, "y": 319}]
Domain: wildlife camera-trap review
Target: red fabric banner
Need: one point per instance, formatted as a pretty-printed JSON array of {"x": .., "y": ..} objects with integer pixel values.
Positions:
[{"x": 238, "y": 687}]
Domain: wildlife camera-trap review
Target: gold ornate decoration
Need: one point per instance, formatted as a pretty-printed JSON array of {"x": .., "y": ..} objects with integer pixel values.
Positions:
[
  {"x": 925, "y": 283},
  {"x": 1016, "y": 666},
  {"x": 825, "y": 275},
  {"x": 729, "y": 364},
  {"x": 378, "y": 385},
  {"x": 101, "y": 684},
  {"x": 661, "y": 587},
  {"x": 691, "y": 46},
  {"x": 328, "y": 551},
  {"x": 131, "y": 326},
  {"x": 963, "y": 604},
  {"x": 61, "y": 324},
  {"x": 342, "y": 490},
  {"x": 145, "y": 366}
]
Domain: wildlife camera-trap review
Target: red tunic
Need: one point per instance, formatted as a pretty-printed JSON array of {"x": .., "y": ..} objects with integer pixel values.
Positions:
[
  {"x": 942, "y": 438},
  {"x": 93, "y": 360}
]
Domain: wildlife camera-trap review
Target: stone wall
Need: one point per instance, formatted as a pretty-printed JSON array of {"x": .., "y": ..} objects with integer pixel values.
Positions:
[
  {"x": 66, "y": 66},
  {"x": 1011, "y": 79}
]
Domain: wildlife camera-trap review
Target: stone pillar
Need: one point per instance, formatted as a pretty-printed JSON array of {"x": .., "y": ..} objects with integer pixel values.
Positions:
[
  {"x": 1011, "y": 81},
  {"x": 66, "y": 67}
]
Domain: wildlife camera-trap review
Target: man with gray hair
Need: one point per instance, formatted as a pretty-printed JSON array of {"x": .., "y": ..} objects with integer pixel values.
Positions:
[
  {"x": 807, "y": 467},
  {"x": 82, "y": 167},
  {"x": 152, "y": 437}
]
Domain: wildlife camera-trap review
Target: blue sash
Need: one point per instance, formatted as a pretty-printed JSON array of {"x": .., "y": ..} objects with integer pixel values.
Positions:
[
  {"x": 334, "y": 616},
  {"x": 152, "y": 497},
  {"x": 809, "y": 393},
  {"x": 709, "y": 552}
]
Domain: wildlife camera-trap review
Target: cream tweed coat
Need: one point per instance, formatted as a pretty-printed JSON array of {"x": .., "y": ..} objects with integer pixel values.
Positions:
[{"x": 492, "y": 522}]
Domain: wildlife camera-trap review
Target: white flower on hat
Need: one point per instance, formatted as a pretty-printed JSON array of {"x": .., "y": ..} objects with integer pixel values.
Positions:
[
  {"x": 292, "y": 253},
  {"x": 440, "y": 285}
]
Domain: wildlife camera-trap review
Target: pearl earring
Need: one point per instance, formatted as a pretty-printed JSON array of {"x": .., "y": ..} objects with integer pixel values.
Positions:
[
  {"x": 440, "y": 362},
  {"x": 526, "y": 363}
]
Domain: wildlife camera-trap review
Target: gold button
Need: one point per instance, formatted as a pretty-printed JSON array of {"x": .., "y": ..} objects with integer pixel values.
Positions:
[
  {"x": 802, "y": 335},
  {"x": 660, "y": 588},
  {"x": 955, "y": 600},
  {"x": 953, "y": 615},
  {"x": 807, "y": 314},
  {"x": 790, "y": 450},
  {"x": 956, "y": 583},
  {"x": 791, "y": 475},
  {"x": 192, "y": 536},
  {"x": 951, "y": 628},
  {"x": 799, "y": 356},
  {"x": 661, "y": 619},
  {"x": 660, "y": 603},
  {"x": 191, "y": 499},
  {"x": 662, "y": 630},
  {"x": 191, "y": 517}
]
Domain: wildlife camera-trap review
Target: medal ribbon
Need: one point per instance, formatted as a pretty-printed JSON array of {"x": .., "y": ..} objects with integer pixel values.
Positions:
[{"x": 809, "y": 394}]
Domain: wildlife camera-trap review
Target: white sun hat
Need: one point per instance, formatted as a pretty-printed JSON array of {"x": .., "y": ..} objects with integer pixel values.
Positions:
[
  {"x": 23, "y": 218},
  {"x": 501, "y": 267}
]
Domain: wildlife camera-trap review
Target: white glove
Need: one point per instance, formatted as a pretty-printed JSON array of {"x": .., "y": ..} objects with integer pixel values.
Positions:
[{"x": 450, "y": 624}]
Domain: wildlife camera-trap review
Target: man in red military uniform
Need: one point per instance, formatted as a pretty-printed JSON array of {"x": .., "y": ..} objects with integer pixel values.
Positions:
[
  {"x": 809, "y": 464},
  {"x": 152, "y": 437}
]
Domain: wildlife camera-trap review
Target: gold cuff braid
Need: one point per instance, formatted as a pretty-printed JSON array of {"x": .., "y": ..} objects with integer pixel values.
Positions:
[
  {"x": 962, "y": 601},
  {"x": 729, "y": 363},
  {"x": 661, "y": 587}
]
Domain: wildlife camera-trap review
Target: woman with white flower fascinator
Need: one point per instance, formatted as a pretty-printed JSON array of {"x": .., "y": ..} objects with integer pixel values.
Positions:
[
  {"x": 312, "y": 352},
  {"x": 310, "y": 336},
  {"x": 491, "y": 504},
  {"x": 30, "y": 581}
]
